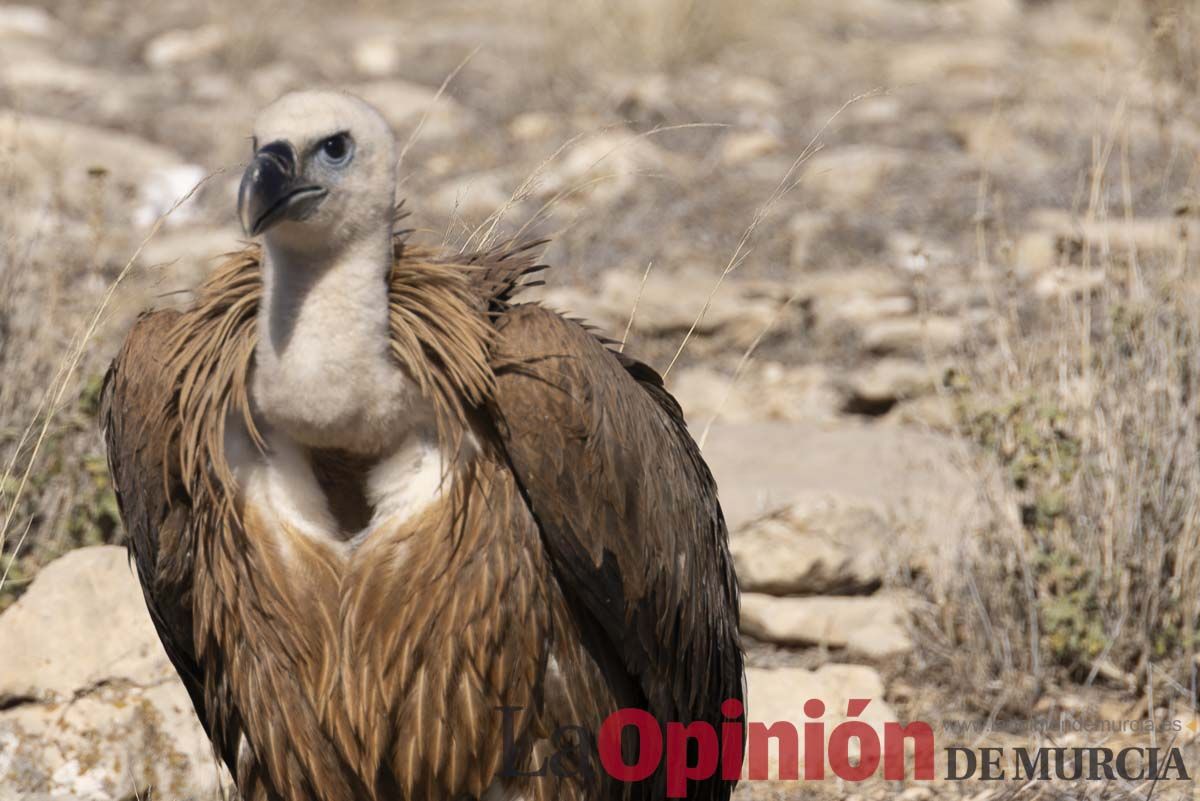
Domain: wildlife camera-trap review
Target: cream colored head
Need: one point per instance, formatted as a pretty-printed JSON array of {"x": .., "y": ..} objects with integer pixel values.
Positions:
[{"x": 323, "y": 173}]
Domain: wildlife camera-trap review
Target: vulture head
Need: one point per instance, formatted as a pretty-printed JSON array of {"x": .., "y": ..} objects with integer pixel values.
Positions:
[
  {"x": 323, "y": 172},
  {"x": 320, "y": 192}
]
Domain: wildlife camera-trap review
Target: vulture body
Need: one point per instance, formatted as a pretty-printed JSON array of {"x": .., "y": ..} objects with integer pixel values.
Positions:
[{"x": 361, "y": 537}]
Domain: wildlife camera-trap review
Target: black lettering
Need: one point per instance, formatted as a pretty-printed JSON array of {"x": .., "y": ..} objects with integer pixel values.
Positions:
[
  {"x": 952, "y": 763},
  {"x": 1030, "y": 769},
  {"x": 510, "y": 756}
]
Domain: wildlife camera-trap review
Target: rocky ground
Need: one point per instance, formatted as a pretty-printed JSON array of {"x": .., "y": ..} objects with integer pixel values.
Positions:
[{"x": 867, "y": 221}]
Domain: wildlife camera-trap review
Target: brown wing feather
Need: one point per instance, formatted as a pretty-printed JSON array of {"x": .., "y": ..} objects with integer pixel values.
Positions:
[
  {"x": 153, "y": 503},
  {"x": 627, "y": 508}
]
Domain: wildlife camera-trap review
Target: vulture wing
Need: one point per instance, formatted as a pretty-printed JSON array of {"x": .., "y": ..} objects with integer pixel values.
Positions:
[
  {"x": 151, "y": 496},
  {"x": 628, "y": 510}
]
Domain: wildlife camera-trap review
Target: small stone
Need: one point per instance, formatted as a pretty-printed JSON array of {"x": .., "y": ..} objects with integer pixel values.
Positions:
[
  {"x": 165, "y": 191},
  {"x": 877, "y": 110},
  {"x": 822, "y": 545},
  {"x": 533, "y": 126},
  {"x": 873, "y": 627},
  {"x": 860, "y": 310},
  {"x": 935, "y": 412},
  {"x": 739, "y": 148},
  {"x": 1148, "y": 237},
  {"x": 963, "y": 62},
  {"x": 377, "y": 57},
  {"x": 879, "y": 387},
  {"x": 177, "y": 47},
  {"x": 45, "y": 74},
  {"x": 917, "y": 254},
  {"x": 1037, "y": 252},
  {"x": 846, "y": 177},
  {"x": 914, "y": 335},
  {"x": 747, "y": 90},
  {"x": 27, "y": 21},
  {"x": 839, "y": 285},
  {"x": 992, "y": 140},
  {"x": 854, "y": 298},
  {"x": 1069, "y": 282},
  {"x": 806, "y": 229}
]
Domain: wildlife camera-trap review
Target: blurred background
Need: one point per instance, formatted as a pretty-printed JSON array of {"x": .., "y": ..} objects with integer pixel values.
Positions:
[{"x": 923, "y": 274}]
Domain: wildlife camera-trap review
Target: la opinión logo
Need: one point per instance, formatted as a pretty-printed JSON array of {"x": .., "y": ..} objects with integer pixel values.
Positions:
[
  {"x": 853, "y": 750},
  {"x": 697, "y": 750}
]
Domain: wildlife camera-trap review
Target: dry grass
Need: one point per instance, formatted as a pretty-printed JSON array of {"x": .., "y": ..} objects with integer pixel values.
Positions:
[
  {"x": 66, "y": 502},
  {"x": 1092, "y": 407}
]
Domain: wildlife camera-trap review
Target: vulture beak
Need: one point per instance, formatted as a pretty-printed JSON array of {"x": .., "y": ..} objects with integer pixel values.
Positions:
[{"x": 272, "y": 191}]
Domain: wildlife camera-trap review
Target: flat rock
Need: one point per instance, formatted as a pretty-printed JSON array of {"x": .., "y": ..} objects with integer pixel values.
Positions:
[
  {"x": 934, "y": 490},
  {"x": 779, "y": 694},
  {"x": 871, "y": 627},
  {"x": 839, "y": 285},
  {"x": 110, "y": 745},
  {"x": 841, "y": 299},
  {"x": 670, "y": 302},
  {"x": 1162, "y": 237},
  {"x": 880, "y": 386},
  {"x": 820, "y": 545},
  {"x": 91, "y": 707},
  {"x": 52, "y": 647}
]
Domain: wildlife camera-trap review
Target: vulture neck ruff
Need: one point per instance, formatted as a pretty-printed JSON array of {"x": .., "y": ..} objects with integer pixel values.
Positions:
[
  {"x": 324, "y": 374},
  {"x": 435, "y": 350}
]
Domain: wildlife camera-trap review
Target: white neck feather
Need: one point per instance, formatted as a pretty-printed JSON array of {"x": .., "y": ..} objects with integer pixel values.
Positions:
[{"x": 324, "y": 373}]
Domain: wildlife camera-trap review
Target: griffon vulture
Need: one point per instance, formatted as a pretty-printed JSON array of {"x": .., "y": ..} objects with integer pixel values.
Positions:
[{"x": 373, "y": 502}]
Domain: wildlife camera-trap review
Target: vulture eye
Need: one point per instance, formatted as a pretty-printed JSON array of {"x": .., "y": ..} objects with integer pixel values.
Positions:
[{"x": 337, "y": 150}]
